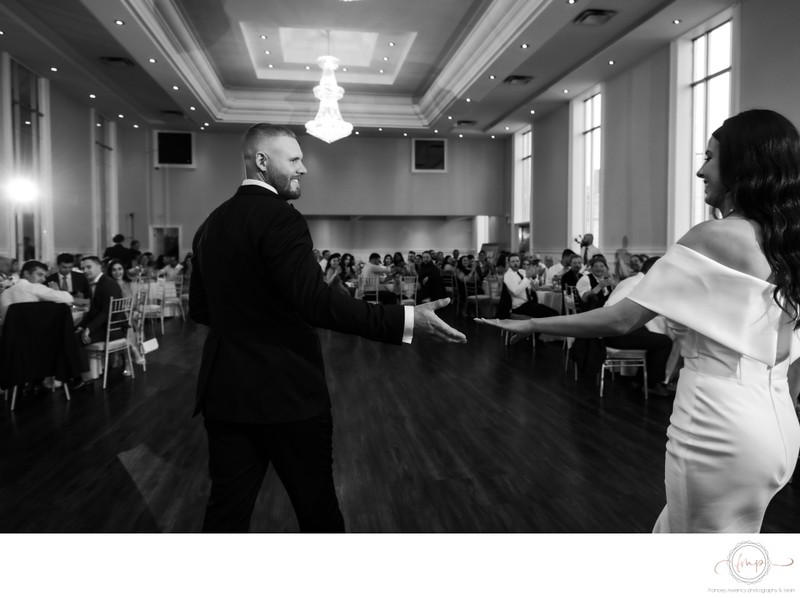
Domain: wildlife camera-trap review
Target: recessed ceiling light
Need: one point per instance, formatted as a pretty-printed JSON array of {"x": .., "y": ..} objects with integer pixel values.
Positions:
[
  {"x": 175, "y": 87},
  {"x": 385, "y": 58},
  {"x": 491, "y": 76},
  {"x": 391, "y": 44},
  {"x": 54, "y": 69},
  {"x": 27, "y": 122},
  {"x": 356, "y": 132},
  {"x": 449, "y": 118},
  {"x": 344, "y": 69},
  {"x": 135, "y": 126},
  {"x": 380, "y": 129},
  {"x": 492, "y": 136},
  {"x": 533, "y": 111},
  {"x": 570, "y": 1},
  {"x": 405, "y": 134},
  {"x": 121, "y": 115},
  {"x": 99, "y": 125},
  {"x": 192, "y": 108},
  {"x": 436, "y": 130},
  {"x": 263, "y": 37},
  {"x": 524, "y": 46},
  {"x": 202, "y": 128},
  {"x": 460, "y": 135},
  {"x": 566, "y": 91},
  {"x": 308, "y": 68},
  {"x": 153, "y": 61},
  {"x": 508, "y": 128},
  {"x": 270, "y": 66},
  {"x": 380, "y": 71},
  {"x": 2, "y": 33},
  {"x": 676, "y": 21},
  {"x": 206, "y": 125},
  {"x": 92, "y": 96},
  {"x": 469, "y": 99},
  {"x": 611, "y": 62},
  {"x": 120, "y": 23},
  {"x": 267, "y": 52}
]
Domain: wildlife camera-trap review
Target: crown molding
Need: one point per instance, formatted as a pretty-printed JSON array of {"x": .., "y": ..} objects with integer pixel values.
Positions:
[{"x": 499, "y": 27}]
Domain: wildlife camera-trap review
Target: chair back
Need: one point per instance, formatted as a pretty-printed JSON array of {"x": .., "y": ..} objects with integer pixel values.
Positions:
[
  {"x": 369, "y": 287},
  {"x": 569, "y": 303},
  {"x": 494, "y": 286},
  {"x": 408, "y": 288},
  {"x": 119, "y": 317}
]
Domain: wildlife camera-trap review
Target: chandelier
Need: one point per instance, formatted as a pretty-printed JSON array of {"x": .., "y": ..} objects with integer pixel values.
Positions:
[{"x": 328, "y": 124}]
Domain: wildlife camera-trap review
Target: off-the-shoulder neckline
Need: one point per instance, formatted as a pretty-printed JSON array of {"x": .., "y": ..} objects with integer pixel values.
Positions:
[{"x": 721, "y": 265}]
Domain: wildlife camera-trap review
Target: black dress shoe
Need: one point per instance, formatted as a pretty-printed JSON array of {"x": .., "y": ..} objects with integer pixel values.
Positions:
[{"x": 83, "y": 384}]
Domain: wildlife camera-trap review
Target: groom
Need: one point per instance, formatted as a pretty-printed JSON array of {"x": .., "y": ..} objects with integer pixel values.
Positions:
[{"x": 261, "y": 386}]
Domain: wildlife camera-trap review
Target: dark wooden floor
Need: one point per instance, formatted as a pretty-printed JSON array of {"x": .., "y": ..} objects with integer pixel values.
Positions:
[{"x": 428, "y": 438}]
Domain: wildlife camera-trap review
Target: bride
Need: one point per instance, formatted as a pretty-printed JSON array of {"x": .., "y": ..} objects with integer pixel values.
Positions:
[{"x": 730, "y": 289}]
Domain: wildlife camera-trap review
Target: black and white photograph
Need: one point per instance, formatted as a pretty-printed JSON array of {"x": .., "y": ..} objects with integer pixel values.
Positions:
[{"x": 399, "y": 297}]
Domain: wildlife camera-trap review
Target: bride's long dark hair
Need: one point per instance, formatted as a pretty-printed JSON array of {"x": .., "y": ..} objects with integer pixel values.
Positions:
[{"x": 759, "y": 161}]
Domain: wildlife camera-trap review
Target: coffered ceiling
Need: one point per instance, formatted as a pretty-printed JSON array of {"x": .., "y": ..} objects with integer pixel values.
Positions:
[{"x": 472, "y": 67}]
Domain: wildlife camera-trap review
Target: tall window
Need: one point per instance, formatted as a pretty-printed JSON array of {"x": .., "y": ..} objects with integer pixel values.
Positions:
[
  {"x": 711, "y": 101},
  {"x": 523, "y": 182},
  {"x": 26, "y": 135},
  {"x": 103, "y": 157},
  {"x": 592, "y": 109}
]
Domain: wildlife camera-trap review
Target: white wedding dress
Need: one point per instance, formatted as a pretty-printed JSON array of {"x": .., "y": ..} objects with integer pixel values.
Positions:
[{"x": 734, "y": 436}]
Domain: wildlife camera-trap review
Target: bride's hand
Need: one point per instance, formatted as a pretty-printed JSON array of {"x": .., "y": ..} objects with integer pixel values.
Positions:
[{"x": 520, "y": 329}]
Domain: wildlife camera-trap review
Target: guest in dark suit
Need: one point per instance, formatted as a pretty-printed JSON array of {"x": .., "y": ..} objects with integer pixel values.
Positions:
[
  {"x": 92, "y": 327},
  {"x": 118, "y": 251},
  {"x": 66, "y": 279},
  {"x": 261, "y": 384}
]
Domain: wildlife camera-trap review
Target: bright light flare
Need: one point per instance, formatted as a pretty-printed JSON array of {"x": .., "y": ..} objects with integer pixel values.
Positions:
[{"x": 22, "y": 190}]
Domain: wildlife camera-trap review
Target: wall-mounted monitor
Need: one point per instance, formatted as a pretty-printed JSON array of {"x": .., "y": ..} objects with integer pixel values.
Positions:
[
  {"x": 428, "y": 155},
  {"x": 174, "y": 149}
]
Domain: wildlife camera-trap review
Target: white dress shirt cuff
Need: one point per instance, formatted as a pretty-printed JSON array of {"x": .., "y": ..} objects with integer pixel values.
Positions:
[{"x": 408, "y": 328}]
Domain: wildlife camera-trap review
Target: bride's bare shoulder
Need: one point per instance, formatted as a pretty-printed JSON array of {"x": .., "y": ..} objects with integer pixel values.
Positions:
[{"x": 733, "y": 242}]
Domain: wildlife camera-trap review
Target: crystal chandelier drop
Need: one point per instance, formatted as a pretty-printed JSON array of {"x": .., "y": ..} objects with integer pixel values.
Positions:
[{"x": 328, "y": 124}]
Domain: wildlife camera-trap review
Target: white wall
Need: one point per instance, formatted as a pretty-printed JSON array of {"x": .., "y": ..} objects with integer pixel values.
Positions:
[
  {"x": 770, "y": 53},
  {"x": 550, "y": 180}
]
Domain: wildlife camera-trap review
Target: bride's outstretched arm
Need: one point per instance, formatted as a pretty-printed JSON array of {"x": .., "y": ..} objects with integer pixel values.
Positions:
[{"x": 621, "y": 318}]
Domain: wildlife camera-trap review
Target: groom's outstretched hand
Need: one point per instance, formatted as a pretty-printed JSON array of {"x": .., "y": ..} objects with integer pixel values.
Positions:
[{"x": 429, "y": 326}]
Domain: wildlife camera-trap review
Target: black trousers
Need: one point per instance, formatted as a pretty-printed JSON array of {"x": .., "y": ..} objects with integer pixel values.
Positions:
[
  {"x": 534, "y": 309},
  {"x": 302, "y": 453},
  {"x": 658, "y": 347}
]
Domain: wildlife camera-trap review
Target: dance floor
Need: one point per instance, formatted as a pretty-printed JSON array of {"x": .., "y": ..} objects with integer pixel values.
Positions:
[{"x": 428, "y": 438}]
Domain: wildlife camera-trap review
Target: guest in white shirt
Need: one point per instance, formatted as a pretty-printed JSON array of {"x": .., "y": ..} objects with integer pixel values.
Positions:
[
  {"x": 554, "y": 273},
  {"x": 595, "y": 286},
  {"x": 521, "y": 290},
  {"x": 588, "y": 250},
  {"x": 31, "y": 288},
  {"x": 373, "y": 269}
]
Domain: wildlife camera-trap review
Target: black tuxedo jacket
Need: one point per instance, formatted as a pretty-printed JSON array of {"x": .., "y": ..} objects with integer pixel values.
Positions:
[
  {"x": 119, "y": 252},
  {"x": 96, "y": 318},
  {"x": 80, "y": 284},
  {"x": 256, "y": 284}
]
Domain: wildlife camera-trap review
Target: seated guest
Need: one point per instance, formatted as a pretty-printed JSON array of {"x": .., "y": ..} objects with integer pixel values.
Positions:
[
  {"x": 323, "y": 259},
  {"x": 118, "y": 252},
  {"x": 116, "y": 271},
  {"x": 92, "y": 328},
  {"x": 171, "y": 268},
  {"x": 186, "y": 266},
  {"x": 501, "y": 263},
  {"x": 448, "y": 264},
  {"x": 388, "y": 260},
  {"x": 466, "y": 272},
  {"x": 595, "y": 286},
  {"x": 554, "y": 273},
  {"x": 30, "y": 288},
  {"x": 648, "y": 337},
  {"x": 520, "y": 288},
  {"x": 431, "y": 285},
  {"x": 332, "y": 274},
  {"x": 145, "y": 269},
  {"x": 65, "y": 278},
  {"x": 440, "y": 259},
  {"x": 373, "y": 269},
  {"x": 637, "y": 260},
  {"x": 118, "y": 274},
  {"x": 571, "y": 277},
  {"x": 347, "y": 267},
  {"x": 484, "y": 265}
]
